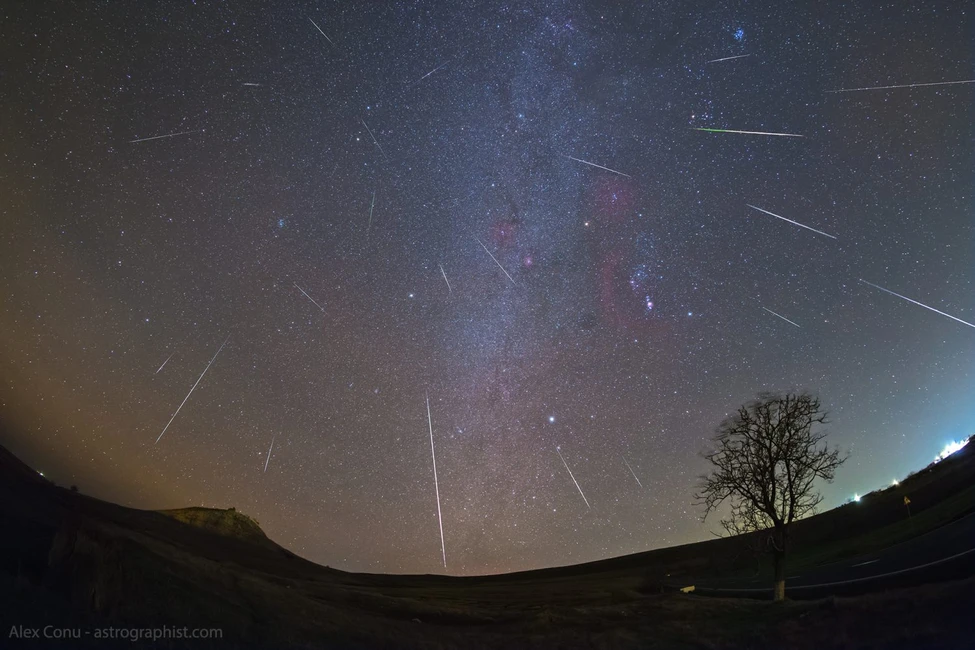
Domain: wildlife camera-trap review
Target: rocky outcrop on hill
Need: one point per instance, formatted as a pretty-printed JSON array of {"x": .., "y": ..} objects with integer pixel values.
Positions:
[{"x": 227, "y": 522}]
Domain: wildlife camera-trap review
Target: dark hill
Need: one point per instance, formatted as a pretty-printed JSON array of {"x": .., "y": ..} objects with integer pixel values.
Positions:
[
  {"x": 72, "y": 560},
  {"x": 12, "y": 468}
]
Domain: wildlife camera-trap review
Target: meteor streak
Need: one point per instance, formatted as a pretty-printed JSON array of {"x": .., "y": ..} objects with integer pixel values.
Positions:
[
  {"x": 165, "y": 362},
  {"x": 933, "y": 83},
  {"x": 375, "y": 141},
  {"x": 780, "y": 316},
  {"x": 168, "y": 135},
  {"x": 586, "y": 162},
  {"x": 436, "y": 484},
  {"x": 796, "y": 223},
  {"x": 269, "y": 454},
  {"x": 631, "y": 469},
  {"x": 573, "y": 477},
  {"x": 495, "y": 260},
  {"x": 321, "y": 32},
  {"x": 309, "y": 297},
  {"x": 371, "y": 206},
  {"x": 782, "y": 135},
  {"x": 445, "y": 278},
  {"x": 191, "y": 390},
  {"x": 431, "y": 72},
  {"x": 920, "y": 304},
  {"x": 728, "y": 58}
]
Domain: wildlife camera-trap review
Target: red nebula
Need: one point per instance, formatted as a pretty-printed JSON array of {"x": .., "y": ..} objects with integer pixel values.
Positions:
[{"x": 503, "y": 232}]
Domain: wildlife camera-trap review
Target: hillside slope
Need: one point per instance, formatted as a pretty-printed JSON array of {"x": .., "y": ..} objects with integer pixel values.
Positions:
[{"x": 75, "y": 560}]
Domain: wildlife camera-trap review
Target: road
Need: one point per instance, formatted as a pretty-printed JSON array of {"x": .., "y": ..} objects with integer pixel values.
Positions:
[{"x": 944, "y": 553}]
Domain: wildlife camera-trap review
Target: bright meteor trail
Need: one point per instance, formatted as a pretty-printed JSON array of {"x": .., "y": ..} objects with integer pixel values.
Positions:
[
  {"x": 796, "y": 223},
  {"x": 631, "y": 471},
  {"x": 168, "y": 135},
  {"x": 449, "y": 290},
  {"x": 269, "y": 454},
  {"x": 191, "y": 390},
  {"x": 728, "y": 58},
  {"x": 781, "y": 316},
  {"x": 374, "y": 140},
  {"x": 432, "y": 71},
  {"x": 933, "y": 83},
  {"x": 586, "y": 162},
  {"x": 781, "y": 135},
  {"x": 321, "y": 32},
  {"x": 574, "y": 478},
  {"x": 920, "y": 304},
  {"x": 495, "y": 260},
  {"x": 309, "y": 297},
  {"x": 165, "y": 362},
  {"x": 371, "y": 206},
  {"x": 436, "y": 483}
]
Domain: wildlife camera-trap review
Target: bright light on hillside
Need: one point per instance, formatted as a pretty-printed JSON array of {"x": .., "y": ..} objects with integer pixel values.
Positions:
[
  {"x": 856, "y": 497},
  {"x": 949, "y": 449}
]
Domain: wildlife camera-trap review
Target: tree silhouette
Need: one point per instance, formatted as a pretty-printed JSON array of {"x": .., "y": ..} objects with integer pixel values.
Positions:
[{"x": 766, "y": 458}]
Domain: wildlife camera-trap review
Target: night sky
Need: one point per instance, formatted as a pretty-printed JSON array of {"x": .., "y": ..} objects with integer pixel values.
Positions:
[{"x": 369, "y": 202}]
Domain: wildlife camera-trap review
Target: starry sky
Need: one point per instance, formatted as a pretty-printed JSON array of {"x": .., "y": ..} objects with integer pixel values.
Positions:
[{"x": 503, "y": 206}]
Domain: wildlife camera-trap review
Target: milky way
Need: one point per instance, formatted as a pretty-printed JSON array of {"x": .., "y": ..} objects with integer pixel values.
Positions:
[{"x": 174, "y": 174}]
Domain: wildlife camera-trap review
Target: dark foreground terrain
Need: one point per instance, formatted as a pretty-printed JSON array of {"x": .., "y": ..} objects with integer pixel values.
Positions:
[{"x": 82, "y": 565}]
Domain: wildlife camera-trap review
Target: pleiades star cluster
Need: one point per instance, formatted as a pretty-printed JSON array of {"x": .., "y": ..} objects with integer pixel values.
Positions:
[{"x": 296, "y": 258}]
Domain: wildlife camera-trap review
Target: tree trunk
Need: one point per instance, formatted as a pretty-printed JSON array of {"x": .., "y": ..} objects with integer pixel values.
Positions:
[{"x": 779, "y": 592}]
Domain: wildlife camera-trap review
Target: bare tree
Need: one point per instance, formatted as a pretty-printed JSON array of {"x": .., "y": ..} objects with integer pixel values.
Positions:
[{"x": 766, "y": 459}]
